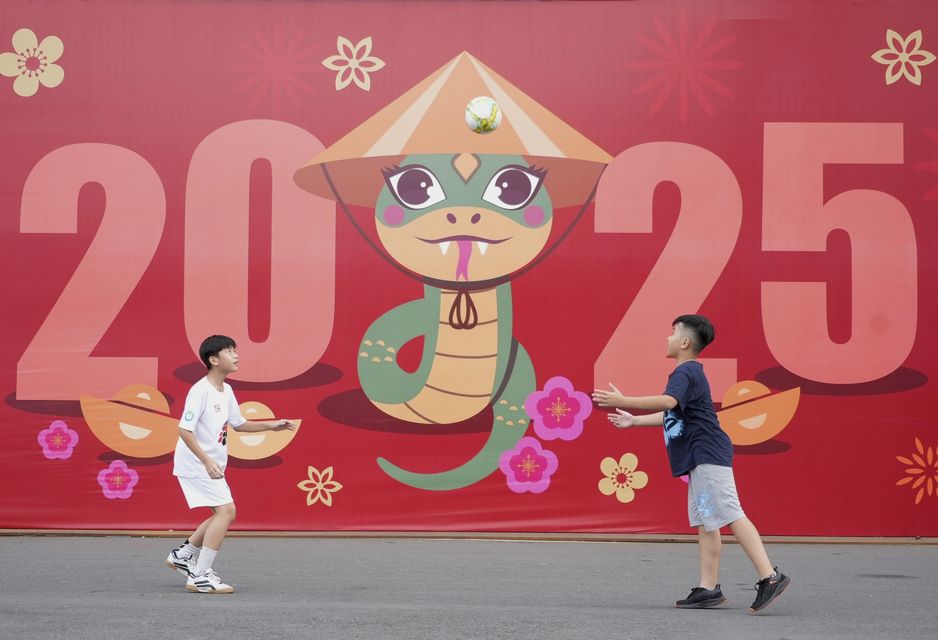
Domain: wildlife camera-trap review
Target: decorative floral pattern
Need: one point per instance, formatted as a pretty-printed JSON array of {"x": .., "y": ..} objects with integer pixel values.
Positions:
[
  {"x": 276, "y": 67},
  {"x": 319, "y": 487},
  {"x": 684, "y": 65},
  {"x": 558, "y": 411},
  {"x": 528, "y": 467},
  {"x": 32, "y": 63},
  {"x": 118, "y": 480},
  {"x": 921, "y": 471},
  {"x": 353, "y": 63},
  {"x": 904, "y": 57},
  {"x": 57, "y": 441},
  {"x": 929, "y": 165},
  {"x": 622, "y": 478}
]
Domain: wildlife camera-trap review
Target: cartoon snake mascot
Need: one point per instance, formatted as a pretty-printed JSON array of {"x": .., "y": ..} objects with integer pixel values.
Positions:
[{"x": 464, "y": 223}]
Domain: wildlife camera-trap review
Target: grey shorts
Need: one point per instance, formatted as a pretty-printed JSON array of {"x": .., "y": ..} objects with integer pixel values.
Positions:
[{"x": 711, "y": 497}]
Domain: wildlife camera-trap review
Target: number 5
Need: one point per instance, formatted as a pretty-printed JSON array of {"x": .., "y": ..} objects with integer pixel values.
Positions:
[{"x": 883, "y": 295}]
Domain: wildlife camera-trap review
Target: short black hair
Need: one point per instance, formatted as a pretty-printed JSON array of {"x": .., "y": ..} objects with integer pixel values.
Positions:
[
  {"x": 700, "y": 328},
  {"x": 211, "y": 346}
]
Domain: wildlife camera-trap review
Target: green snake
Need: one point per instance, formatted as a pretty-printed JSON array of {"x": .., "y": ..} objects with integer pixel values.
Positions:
[{"x": 465, "y": 224}]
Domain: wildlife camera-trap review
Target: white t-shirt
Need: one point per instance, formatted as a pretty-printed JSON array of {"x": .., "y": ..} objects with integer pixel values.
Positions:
[{"x": 208, "y": 413}]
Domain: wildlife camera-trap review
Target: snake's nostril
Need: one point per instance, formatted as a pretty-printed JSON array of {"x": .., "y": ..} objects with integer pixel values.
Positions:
[
  {"x": 451, "y": 218},
  {"x": 476, "y": 217}
]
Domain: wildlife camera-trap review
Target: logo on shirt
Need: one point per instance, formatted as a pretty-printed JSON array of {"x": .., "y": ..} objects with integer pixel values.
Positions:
[
  {"x": 223, "y": 435},
  {"x": 189, "y": 416},
  {"x": 673, "y": 427},
  {"x": 217, "y": 408}
]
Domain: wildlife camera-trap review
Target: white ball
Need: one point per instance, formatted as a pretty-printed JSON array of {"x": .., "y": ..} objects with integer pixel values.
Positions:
[{"x": 483, "y": 114}]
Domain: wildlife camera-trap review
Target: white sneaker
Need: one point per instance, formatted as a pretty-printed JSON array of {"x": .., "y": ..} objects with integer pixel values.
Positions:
[
  {"x": 208, "y": 582},
  {"x": 181, "y": 561}
]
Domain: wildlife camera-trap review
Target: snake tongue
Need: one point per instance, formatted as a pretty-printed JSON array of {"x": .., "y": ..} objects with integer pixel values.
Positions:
[{"x": 465, "y": 252}]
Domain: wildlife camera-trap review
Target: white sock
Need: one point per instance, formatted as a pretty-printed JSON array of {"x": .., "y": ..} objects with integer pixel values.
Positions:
[
  {"x": 191, "y": 548},
  {"x": 205, "y": 560}
]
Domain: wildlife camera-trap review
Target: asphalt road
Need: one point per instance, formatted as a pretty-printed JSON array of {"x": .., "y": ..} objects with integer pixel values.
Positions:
[{"x": 389, "y": 589}]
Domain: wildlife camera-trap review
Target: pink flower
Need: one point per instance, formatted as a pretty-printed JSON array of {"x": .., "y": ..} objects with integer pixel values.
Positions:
[
  {"x": 558, "y": 411},
  {"x": 57, "y": 441},
  {"x": 118, "y": 480},
  {"x": 528, "y": 467}
]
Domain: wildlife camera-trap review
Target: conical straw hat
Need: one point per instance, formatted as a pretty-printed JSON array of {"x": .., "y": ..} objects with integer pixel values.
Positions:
[{"x": 429, "y": 118}]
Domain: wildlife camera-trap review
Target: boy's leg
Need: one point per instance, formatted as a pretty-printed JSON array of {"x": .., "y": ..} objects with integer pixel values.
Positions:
[
  {"x": 185, "y": 557},
  {"x": 198, "y": 536},
  {"x": 215, "y": 532},
  {"x": 771, "y": 581},
  {"x": 217, "y": 526},
  {"x": 204, "y": 580},
  {"x": 709, "y": 547},
  {"x": 749, "y": 539},
  {"x": 708, "y": 594}
]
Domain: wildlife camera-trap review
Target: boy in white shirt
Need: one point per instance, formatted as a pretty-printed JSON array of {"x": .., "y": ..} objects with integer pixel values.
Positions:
[{"x": 200, "y": 460}]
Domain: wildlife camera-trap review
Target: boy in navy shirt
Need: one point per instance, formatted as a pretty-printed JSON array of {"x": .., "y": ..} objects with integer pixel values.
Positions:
[{"x": 699, "y": 448}]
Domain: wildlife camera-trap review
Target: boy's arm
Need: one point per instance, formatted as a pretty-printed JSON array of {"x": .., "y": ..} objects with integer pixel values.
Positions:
[
  {"x": 253, "y": 426},
  {"x": 239, "y": 424},
  {"x": 649, "y": 403},
  {"x": 211, "y": 467},
  {"x": 624, "y": 419},
  {"x": 614, "y": 398}
]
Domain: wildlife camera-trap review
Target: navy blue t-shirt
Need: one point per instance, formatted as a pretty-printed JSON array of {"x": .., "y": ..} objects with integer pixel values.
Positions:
[{"x": 692, "y": 432}]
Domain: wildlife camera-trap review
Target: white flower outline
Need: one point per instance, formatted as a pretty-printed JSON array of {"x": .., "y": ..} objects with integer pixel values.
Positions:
[
  {"x": 319, "y": 487},
  {"x": 622, "y": 477},
  {"x": 353, "y": 63},
  {"x": 899, "y": 58},
  {"x": 32, "y": 63}
]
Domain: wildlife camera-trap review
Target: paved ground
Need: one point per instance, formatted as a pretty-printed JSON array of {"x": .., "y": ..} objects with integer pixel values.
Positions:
[{"x": 390, "y": 589}]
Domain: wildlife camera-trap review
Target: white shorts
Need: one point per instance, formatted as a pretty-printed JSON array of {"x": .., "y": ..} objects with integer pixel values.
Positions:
[
  {"x": 205, "y": 492},
  {"x": 711, "y": 497}
]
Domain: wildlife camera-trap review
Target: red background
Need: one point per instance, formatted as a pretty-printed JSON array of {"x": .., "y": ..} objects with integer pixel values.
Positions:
[{"x": 157, "y": 78}]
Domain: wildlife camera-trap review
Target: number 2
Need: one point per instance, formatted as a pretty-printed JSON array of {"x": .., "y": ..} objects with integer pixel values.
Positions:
[
  {"x": 57, "y": 364},
  {"x": 695, "y": 256}
]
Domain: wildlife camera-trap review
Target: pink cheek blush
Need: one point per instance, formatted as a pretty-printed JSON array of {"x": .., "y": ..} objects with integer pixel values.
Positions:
[
  {"x": 393, "y": 215},
  {"x": 534, "y": 216}
]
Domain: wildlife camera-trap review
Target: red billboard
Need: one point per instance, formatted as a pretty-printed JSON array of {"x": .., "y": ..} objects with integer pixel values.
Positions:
[{"x": 433, "y": 228}]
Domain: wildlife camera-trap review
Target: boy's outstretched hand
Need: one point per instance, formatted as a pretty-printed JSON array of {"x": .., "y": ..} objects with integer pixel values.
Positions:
[
  {"x": 284, "y": 424},
  {"x": 622, "y": 419},
  {"x": 605, "y": 398}
]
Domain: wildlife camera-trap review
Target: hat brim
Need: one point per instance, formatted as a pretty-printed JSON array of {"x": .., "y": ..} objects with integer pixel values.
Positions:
[{"x": 429, "y": 119}]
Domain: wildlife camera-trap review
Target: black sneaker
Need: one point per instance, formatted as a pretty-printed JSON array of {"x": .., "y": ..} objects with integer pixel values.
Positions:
[
  {"x": 701, "y": 598},
  {"x": 769, "y": 589}
]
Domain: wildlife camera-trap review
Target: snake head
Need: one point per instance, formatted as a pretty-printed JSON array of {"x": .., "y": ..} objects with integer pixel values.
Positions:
[{"x": 463, "y": 217}]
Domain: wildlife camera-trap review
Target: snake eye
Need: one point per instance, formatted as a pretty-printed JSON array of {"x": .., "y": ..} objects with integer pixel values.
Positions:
[
  {"x": 414, "y": 186},
  {"x": 513, "y": 187}
]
